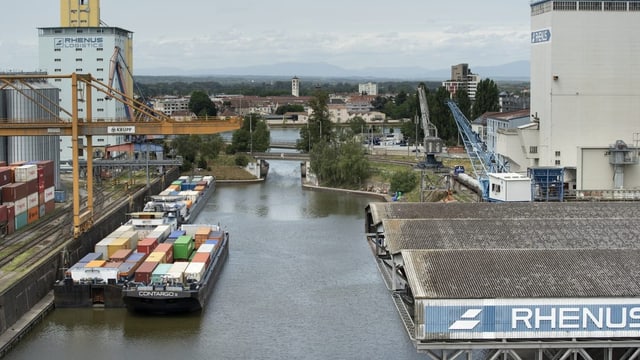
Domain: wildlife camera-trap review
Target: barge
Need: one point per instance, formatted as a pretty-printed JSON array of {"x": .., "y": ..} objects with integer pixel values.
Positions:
[{"x": 99, "y": 278}]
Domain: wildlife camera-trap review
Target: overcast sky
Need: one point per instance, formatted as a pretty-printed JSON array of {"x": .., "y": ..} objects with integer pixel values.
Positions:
[{"x": 353, "y": 34}]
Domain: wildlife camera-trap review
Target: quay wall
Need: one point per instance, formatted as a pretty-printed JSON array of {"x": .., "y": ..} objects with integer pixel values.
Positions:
[{"x": 38, "y": 280}]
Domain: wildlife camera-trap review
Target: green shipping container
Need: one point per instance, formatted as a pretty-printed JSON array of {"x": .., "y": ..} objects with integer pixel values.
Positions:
[
  {"x": 183, "y": 247},
  {"x": 21, "y": 220},
  {"x": 159, "y": 272}
]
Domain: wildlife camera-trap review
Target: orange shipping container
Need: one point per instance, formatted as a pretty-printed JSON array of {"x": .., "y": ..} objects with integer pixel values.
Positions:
[
  {"x": 202, "y": 257},
  {"x": 32, "y": 215},
  {"x": 95, "y": 263},
  {"x": 120, "y": 255}
]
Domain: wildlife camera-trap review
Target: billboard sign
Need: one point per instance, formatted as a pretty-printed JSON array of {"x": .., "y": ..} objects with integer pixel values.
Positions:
[
  {"x": 121, "y": 129},
  {"x": 78, "y": 42},
  {"x": 562, "y": 319}
]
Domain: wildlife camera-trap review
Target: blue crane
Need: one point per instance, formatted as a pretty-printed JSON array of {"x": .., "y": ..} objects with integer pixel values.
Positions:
[{"x": 482, "y": 160}]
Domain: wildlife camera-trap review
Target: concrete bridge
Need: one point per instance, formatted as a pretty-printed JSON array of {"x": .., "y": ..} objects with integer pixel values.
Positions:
[{"x": 275, "y": 155}]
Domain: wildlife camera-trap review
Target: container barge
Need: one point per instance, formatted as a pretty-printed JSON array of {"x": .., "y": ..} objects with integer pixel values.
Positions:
[
  {"x": 141, "y": 254},
  {"x": 183, "y": 199}
]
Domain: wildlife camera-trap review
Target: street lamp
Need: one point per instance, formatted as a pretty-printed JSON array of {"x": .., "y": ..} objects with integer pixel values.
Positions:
[{"x": 251, "y": 133}]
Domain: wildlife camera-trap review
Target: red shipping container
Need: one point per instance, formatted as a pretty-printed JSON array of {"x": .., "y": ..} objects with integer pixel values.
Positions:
[
  {"x": 14, "y": 191},
  {"x": 202, "y": 258},
  {"x": 11, "y": 225},
  {"x": 144, "y": 272},
  {"x": 32, "y": 186},
  {"x": 147, "y": 245},
  {"x": 3, "y": 214},
  {"x": 6, "y": 176},
  {"x": 113, "y": 264},
  {"x": 49, "y": 206},
  {"x": 166, "y": 248},
  {"x": 3, "y": 163},
  {"x": 120, "y": 255},
  {"x": 11, "y": 211}
]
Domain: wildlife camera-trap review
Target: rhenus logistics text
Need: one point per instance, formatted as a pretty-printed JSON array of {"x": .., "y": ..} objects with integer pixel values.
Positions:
[
  {"x": 519, "y": 319},
  {"x": 79, "y": 42}
]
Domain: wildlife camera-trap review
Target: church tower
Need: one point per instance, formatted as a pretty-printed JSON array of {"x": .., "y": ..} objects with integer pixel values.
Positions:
[{"x": 295, "y": 86}]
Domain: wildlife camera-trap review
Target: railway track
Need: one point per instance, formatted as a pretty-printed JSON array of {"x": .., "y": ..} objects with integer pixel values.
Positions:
[{"x": 28, "y": 245}]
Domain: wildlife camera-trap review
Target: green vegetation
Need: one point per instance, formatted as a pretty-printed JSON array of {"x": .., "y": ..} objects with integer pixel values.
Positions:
[
  {"x": 200, "y": 104},
  {"x": 403, "y": 181},
  {"x": 254, "y": 135}
]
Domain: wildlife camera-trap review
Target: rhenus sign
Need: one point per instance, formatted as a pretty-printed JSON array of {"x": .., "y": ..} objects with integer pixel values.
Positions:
[{"x": 555, "y": 320}]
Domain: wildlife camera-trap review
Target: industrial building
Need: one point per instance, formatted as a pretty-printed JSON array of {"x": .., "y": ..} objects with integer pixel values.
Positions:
[
  {"x": 542, "y": 280},
  {"x": 81, "y": 45},
  {"x": 585, "y": 96}
]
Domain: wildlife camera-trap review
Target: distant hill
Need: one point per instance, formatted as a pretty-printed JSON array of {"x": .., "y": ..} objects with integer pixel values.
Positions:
[{"x": 518, "y": 70}]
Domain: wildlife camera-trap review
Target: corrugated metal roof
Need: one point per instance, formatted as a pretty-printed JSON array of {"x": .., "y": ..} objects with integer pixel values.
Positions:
[
  {"x": 534, "y": 233},
  {"x": 512, "y": 250},
  {"x": 461, "y": 274}
]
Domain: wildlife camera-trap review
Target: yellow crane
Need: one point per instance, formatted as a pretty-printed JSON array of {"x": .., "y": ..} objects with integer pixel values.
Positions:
[{"x": 144, "y": 121}]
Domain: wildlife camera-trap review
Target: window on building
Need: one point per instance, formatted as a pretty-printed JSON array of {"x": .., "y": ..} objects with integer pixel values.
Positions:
[
  {"x": 99, "y": 59},
  {"x": 100, "y": 99},
  {"x": 533, "y": 149},
  {"x": 57, "y": 70},
  {"x": 100, "y": 110},
  {"x": 58, "y": 80},
  {"x": 557, "y": 162},
  {"x": 78, "y": 49},
  {"x": 565, "y": 5},
  {"x": 634, "y": 6},
  {"x": 590, "y": 6},
  {"x": 615, "y": 6},
  {"x": 78, "y": 59},
  {"x": 79, "y": 70},
  {"x": 57, "y": 49},
  {"x": 57, "y": 60},
  {"x": 100, "y": 69},
  {"x": 495, "y": 188},
  {"x": 57, "y": 31},
  {"x": 79, "y": 31},
  {"x": 99, "y": 49},
  {"x": 557, "y": 153}
]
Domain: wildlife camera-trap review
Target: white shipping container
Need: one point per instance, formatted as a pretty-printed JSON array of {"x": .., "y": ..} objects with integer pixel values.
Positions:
[
  {"x": 132, "y": 236},
  {"x": 121, "y": 230},
  {"x": 26, "y": 173},
  {"x": 206, "y": 248},
  {"x": 20, "y": 206},
  {"x": 192, "y": 229},
  {"x": 176, "y": 272},
  {"x": 49, "y": 194},
  {"x": 105, "y": 274},
  {"x": 161, "y": 232},
  {"x": 102, "y": 246},
  {"x": 32, "y": 200},
  {"x": 195, "y": 271},
  {"x": 208, "y": 179},
  {"x": 190, "y": 195}
]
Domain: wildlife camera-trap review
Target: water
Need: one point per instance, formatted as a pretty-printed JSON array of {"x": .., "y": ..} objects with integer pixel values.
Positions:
[{"x": 300, "y": 283}]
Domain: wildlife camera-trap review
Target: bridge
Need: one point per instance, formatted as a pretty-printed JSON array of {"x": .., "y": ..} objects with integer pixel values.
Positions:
[
  {"x": 280, "y": 156},
  {"x": 283, "y": 144}
]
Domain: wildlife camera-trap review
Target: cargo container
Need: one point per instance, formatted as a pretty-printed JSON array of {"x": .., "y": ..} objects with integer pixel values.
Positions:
[
  {"x": 25, "y": 173},
  {"x": 144, "y": 271},
  {"x": 160, "y": 273},
  {"x": 207, "y": 248},
  {"x": 194, "y": 272},
  {"x": 146, "y": 245},
  {"x": 127, "y": 270},
  {"x": 183, "y": 247},
  {"x": 60, "y": 196},
  {"x": 32, "y": 186},
  {"x": 121, "y": 255},
  {"x": 21, "y": 220},
  {"x": 91, "y": 257},
  {"x": 32, "y": 200},
  {"x": 113, "y": 264},
  {"x": 167, "y": 249},
  {"x": 117, "y": 244},
  {"x": 201, "y": 258},
  {"x": 102, "y": 247},
  {"x": 5, "y": 176},
  {"x": 33, "y": 215},
  {"x": 3, "y": 214},
  {"x": 49, "y": 194},
  {"x": 96, "y": 263},
  {"x": 175, "y": 274},
  {"x": 176, "y": 234},
  {"x": 158, "y": 257},
  {"x": 14, "y": 191},
  {"x": 136, "y": 257}
]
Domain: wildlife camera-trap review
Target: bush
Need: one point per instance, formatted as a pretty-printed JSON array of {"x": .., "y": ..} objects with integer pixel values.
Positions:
[
  {"x": 403, "y": 181},
  {"x": 242, "y": 160}
]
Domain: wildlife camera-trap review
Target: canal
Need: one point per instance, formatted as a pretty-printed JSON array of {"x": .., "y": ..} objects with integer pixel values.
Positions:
[{"x": 300, "y": 283}]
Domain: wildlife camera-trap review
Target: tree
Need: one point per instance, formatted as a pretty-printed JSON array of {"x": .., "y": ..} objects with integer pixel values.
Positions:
[
  {"x": 254, "y": 135},
  {"x": 341, "y": 164},
  {"x": 403, "y": 181},
  {"x": 357, "y": 124},
  {"x": 283, "y": 109},
  {"x": 487, "y": 98},
  {"x": 319, "y": 128},
  {"x": 201, "y": 105},
  {"x": 461, "y": 99}
]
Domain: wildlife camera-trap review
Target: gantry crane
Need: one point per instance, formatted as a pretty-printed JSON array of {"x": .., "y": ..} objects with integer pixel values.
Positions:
[
  {"x": 483, "y": 161},
  {"x": 432, "y": 143},
  {"x": 144, "y": 120}
]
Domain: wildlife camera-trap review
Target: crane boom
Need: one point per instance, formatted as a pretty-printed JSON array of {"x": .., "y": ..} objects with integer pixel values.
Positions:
[
  {"x": 117, "y": 65},
  {"x": 482, "y": 160},
  {"x": 429, "y": 129}
]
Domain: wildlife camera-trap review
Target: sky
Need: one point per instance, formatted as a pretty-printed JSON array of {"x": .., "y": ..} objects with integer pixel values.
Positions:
[{"x": 196, "y": 35}]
